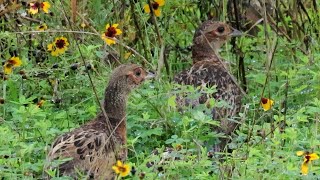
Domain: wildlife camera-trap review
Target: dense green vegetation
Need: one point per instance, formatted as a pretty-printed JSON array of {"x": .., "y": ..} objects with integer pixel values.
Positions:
[{"x": 49, "y": 95}]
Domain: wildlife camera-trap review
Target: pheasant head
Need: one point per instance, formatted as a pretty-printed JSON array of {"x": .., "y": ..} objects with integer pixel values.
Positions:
[
  {"x": 209, "y": 37},
  {"x": 123, "y": 80},
  {"x": 128, "y": 76}
]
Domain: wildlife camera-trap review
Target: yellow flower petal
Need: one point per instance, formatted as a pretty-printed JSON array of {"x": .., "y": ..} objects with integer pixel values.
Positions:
[
  {"x": 33, "y": 9},
  {"x": 50, "y": 47},
  {"x": 157, "y": 12},
  {"x": 304, "y": 168},
  {"x": 118, "y": 32},
  {"x": 59, "y": 51},
  {"x": 146, "y": 8},
  {"x": 15, "y": 61},
  {"x": 7, "y": 68},
  {"x": 160, "y": 2},
  {"x": 313, "y": 156},
  {"x": 45, "y": 6},
  {"x": 125, "y": 170},
  {"x": 119, "y": 163},
  {"x": 42, "y": 27},
  {"x": 300, "y": 153},
  {"x": 115, "y": 25},
  {"x": 109, "y": 41},
  {"x": 266, "y": 103},
  {"x": 116, "y": 169},
  {"x": 54, "y": 53},
  {"x": 107, "y": 26}
]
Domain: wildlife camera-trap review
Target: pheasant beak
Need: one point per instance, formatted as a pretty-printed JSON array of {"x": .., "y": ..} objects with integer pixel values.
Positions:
[
  {"x": 150, "y": 75},
  {"x": 235, "y": 33}
]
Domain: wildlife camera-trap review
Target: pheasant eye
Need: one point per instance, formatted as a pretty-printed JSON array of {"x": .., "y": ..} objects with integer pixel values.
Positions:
[
  {"x": 138, "y": 72},
  {"x": 220, "y": 29}
]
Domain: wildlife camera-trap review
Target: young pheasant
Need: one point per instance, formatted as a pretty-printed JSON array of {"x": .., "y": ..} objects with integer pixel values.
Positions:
[
  {"x": 209, "y": 70},
  {"x": 94, "y": 148}
]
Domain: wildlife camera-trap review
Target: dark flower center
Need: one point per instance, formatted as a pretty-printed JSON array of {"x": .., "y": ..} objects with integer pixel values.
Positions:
[
  {"x": 12, "y": 62},
  {"x": 155, "y": 5},
  {"x": 308, "y": 158},
  {"x": 122, "y": 169},
  {"x": 42, "y": 5},
  {"x": 36, "y": 5},
  {"x": 9, "y": 65},
  {"x": 60, "y": 43},
  {"x": 264, "y": 100},
  {"x": 111, "y": 32}
]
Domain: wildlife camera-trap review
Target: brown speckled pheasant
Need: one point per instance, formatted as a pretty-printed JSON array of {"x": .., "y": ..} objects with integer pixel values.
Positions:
[
  {"x": 209, "y": 70},
  {"x": 89, "y": 149}
]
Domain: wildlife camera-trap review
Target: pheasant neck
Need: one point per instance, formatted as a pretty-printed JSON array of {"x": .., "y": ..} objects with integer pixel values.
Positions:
[
  {"x": 115, "y": 103},
  {"x": 205, "y": 51}
]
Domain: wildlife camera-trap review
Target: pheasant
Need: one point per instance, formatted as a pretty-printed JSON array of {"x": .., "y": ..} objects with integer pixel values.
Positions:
[
  {"x": 209, "y": 70},
  {"x": 94, "y": 148}
]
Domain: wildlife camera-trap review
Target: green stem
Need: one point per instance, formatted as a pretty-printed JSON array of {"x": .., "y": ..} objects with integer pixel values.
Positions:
[{"x": 4, "y": 88}]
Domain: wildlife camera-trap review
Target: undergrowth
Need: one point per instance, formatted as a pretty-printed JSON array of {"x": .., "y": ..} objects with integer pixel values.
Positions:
[{"x": 47, "y": 96}]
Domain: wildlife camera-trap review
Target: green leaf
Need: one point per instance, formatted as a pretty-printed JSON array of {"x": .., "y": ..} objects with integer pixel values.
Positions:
[{"x": 172, "y": 101}]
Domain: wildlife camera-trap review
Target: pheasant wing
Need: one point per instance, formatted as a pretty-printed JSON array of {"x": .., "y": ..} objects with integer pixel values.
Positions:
[{"x": 86, "y": 150}]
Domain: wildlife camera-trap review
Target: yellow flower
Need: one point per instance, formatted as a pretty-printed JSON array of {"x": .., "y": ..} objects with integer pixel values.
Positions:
[
  {"x": 266, "y": 103},
  {"x": 308, "y": 158},
  {"x": 179, "y": 147},
  {"x": 45, "y": 6},
  {"x": 42, "y": 27},
  {"x": 59, "y": 46},
  {"x": 111, "y": 32},
  {"x": 35, "y": 6},
  {"x": 15, "y": 61},
  {"x": 40, "y": 103},
  {"x": 83, "y": 25},
  {"x": 127, "y": 55},
  {"x": 122, "y": 169},
  {"x": 155, "y": 6},
  {"x": 52, "y": 48},
  {"x": 10, "y": 64}
]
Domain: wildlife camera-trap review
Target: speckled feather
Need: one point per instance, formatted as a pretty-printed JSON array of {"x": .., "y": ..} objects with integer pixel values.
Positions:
[
  {"x": 90, "y": 150},
  {"x": 208, "y": 73},
  {"x": 210, "y": 70}
]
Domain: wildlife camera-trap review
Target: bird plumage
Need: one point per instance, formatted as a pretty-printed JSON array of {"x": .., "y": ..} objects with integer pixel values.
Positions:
[
  {"x": 94, "y": 148},
  {"x": 210, "y": 70}
]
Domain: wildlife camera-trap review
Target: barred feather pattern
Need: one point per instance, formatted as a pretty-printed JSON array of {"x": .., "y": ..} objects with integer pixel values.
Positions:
[{"x": 90, "y": 149}]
